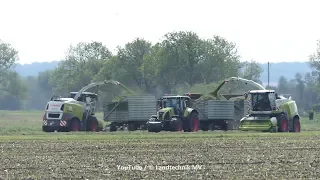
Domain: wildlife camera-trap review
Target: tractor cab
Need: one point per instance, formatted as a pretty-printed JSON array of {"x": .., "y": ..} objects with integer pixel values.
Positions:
[
  {"x": 262, "y": 100},
  {"x": 177, "y": 103}
]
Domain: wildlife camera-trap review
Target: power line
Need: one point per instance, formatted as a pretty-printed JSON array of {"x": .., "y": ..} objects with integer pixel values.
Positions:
[{"x": 268, "y": 74}]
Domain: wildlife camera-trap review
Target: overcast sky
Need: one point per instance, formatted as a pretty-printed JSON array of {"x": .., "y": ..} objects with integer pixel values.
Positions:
[{"x": 273, "y": 30}]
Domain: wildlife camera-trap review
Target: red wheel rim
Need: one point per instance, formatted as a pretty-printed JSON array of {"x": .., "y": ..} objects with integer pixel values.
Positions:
[
  {"x": 284, "y": 125},
  {"x": 93, "y": 126},
  {"x": 195, "y": 124},
  {"x": 179, "y": 126},
  {"x": 297, "y": 126},
  {"x": 75, "y": 126}
]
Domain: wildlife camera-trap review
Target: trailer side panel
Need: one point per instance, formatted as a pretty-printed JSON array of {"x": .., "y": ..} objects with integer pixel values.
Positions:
[
  {"x": 119, "y": 114},
  {"x": 141, "y": 107},
  {"x": 220, "y": 109}
]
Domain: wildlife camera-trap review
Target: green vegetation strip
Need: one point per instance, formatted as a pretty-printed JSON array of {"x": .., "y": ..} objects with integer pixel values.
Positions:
[{"x": 146, "y": 135}]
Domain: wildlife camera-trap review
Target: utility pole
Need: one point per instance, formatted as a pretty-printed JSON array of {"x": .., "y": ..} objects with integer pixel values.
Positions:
[{"x": 268, "y": 74}]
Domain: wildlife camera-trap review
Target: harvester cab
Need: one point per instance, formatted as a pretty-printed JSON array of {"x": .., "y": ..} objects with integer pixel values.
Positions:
[
  {"x": 174, "y": 114},
  {"x": 88, "y": 100}
]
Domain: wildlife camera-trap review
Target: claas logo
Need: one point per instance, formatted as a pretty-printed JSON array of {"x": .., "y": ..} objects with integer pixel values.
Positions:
[{"x": 55, "y": 105}]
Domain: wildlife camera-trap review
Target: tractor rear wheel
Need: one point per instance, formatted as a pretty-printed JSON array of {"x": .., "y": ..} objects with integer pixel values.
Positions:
[
  {"x": 193, "y": 123},
  {"x": 296, "y": 125}
]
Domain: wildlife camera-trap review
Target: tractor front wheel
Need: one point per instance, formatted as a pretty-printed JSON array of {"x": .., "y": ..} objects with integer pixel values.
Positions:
[{"x": 176, "y": 124}]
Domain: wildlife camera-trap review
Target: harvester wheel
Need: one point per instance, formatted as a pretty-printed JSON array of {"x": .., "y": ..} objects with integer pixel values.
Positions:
[
  {"x": 75, "y": 125},
  {"x": 283, "y": 124},
  {"x": 296, "y": 125},
  {"x": 93, "y": 124}
]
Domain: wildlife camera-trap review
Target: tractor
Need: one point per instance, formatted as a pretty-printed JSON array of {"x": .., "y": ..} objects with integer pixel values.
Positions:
[
  {"x": 269, "y": 111},
  {"x": 74, "y": 113},
  {"x": 174, "y": 114}
]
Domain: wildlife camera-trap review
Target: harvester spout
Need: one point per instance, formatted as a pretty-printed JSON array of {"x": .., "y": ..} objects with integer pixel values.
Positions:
[
  {"x": 91, "y": 85},
  {"x": 250, "y": 82}
]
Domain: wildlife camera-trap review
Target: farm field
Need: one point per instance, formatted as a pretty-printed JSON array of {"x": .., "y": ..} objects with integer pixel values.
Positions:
[{"x": 26, "y": 152}]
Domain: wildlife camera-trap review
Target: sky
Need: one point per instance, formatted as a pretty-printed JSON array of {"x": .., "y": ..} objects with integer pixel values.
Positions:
[{"x": 265, "y": 30}]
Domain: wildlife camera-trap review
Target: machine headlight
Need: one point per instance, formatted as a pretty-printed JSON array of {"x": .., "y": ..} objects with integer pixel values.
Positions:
[{"x": 273, "y": 120}]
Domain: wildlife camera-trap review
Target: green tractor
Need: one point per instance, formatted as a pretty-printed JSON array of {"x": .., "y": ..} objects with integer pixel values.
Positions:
[
  {"x": 174, "y": 114},
  {"x": 269, "y": 111},
  {"x": 74, "y": 113}
]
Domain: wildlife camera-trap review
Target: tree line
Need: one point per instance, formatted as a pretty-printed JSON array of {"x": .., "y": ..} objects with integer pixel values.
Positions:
[{"x": 181, "y": 62}]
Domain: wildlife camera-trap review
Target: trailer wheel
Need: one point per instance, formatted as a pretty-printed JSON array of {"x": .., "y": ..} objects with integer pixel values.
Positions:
[
  {"x": 225, "y": 126},
  {"x": 75, "y": 125},
  {"x": 113, "y": 127},
  {"x": 204, "y": 126},
  {"x": 296, "y": 124},
  {"x": 132, "y": 127},
  {"x": 283, "y": 123}
]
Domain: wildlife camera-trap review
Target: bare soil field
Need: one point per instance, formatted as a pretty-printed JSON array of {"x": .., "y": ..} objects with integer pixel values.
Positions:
[{"x": 142, "y": 156}]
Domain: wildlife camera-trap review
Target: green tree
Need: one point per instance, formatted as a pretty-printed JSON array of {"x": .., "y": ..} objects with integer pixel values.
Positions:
[
  {"x": 160, "y": 68},
  {"x": 283, "y": 85},
  {"x": 252, "y": 71},
  {"x": 81, "y": 64},
  {"x": 13, "y": 89},
  {"x": 219, "y": 60},
  {"x": 184, "y": 51},
  {"x": 130, "y": 60},
  {"x": 8, "y": 58},
  {"x": 314, "y": 61}
]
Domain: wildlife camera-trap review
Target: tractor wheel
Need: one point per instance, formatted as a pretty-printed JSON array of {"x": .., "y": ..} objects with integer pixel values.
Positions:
[
  {"x": 194, "y": 123},
  {"x": 296, "y": 125},
  {"x": 176, "y": 125},
  {"x": 283, "y": 123},
  {"x": 75, "y": 125},
  {"x": 154, "y": 129},
  {"x": 93, "y": 124}
]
